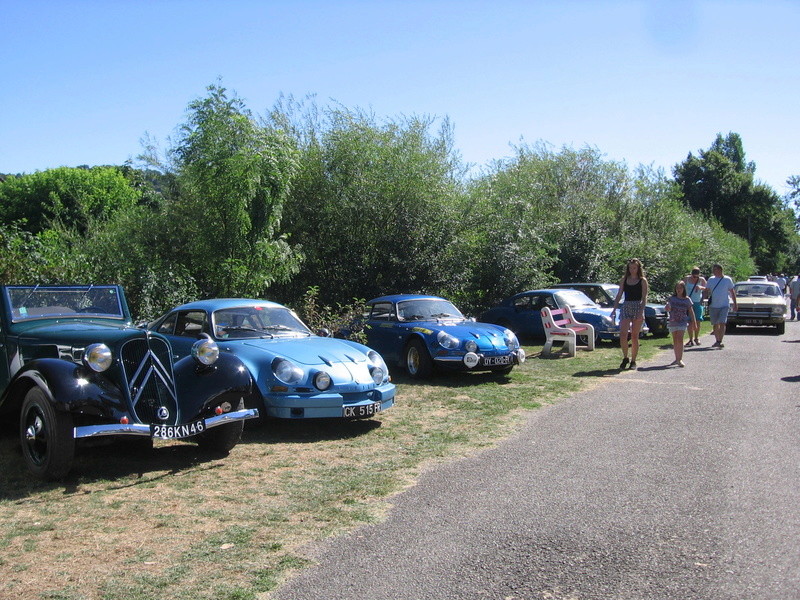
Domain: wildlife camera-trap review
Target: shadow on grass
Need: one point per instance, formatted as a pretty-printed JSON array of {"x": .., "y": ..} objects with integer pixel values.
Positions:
[{"x": 112, "y": 461}]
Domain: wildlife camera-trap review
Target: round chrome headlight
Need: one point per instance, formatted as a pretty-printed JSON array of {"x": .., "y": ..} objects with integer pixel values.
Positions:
[
  {"x": 97, "y": 357},
  {"x": 446, "y": 340},
  {"x": 510, "y": 339},
  {"x": 322, "y": 381},
  {"x": 205, "y": 351},
  {"x": 470, "y": 346},
  {"x": 378, "y": 375},
  {"x": 778, "y": 310},
  {"x": 378, "y": 368},
  {"x": 286, "y": 371}
]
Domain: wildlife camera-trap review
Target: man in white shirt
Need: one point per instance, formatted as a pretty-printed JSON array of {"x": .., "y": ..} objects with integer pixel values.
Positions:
[{"x": 718, "y": 290}]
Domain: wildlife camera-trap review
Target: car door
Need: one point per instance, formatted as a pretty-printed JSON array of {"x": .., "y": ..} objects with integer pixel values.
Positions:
[
  {"x": 528, "y": 317},
  {"x": 183, "y": 329},
  {"x": 382, "y": 332}
]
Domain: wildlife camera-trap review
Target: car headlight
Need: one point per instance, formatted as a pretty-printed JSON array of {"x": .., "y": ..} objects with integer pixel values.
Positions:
[
  {"x": 470, "y": 346},
  {"x": 322, "y": 381},
  {"x": 510, "y": 339},
  {"x": 778, "y": 310},
  {"x": 378, "y": 375},
  {"x": 97, "y": 357},
  {"x": 378, "y": 368},
  {"x": 286, "y": 371},
  {"x": 205, "y": 351},
  {"x": 446, "y": 340}
]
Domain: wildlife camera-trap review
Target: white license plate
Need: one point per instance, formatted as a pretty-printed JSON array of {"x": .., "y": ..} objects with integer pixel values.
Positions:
[
  {"x": 753, "y": 322},
  {"x": 361, "y": 410},
  {"x": 175, "y": 432},
  {"x": 494, "y": 361}
]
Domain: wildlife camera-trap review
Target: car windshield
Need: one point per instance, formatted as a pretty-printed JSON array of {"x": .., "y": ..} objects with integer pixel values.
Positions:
[
  {"x": 575, "y": 299},
  {"x": 756, "y": 289},
  {"x": 427, "y": 310},
  {"x": 46, "y": 302},
  {"x": 257, "y": 322}
]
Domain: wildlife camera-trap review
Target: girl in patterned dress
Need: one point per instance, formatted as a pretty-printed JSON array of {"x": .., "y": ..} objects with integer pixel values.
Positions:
[{"x": 681, "y": 313}]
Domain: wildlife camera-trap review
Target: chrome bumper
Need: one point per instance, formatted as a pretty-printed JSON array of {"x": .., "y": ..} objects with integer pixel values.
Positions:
[{"x": 90, "y": 431}]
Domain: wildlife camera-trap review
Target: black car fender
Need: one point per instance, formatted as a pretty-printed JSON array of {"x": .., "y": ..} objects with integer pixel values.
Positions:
[
  {"x": 200, "y": 386},
  {"x": 68, "y": 386}
]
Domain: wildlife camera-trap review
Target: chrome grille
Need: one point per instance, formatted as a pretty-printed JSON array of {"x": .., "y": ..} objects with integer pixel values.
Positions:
[
  {"x": 147, "y": 368},
  {"x": 755, "y": 311}
]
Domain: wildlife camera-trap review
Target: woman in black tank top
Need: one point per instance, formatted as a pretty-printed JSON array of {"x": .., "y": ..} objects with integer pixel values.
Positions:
[{"x": 634, "y": 286}]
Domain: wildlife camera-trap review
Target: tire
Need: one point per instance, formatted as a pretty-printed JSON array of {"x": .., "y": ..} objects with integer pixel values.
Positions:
[
  {"x": 46, "y": 436},
  {"x": 223, "y": 438},
  {"x": 781, "y": 328},
  {"x": 417, "y": 360}
]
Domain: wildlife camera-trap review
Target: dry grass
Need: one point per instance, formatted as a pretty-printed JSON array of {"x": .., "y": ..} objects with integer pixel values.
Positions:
[{"x": 179, "y": 524}]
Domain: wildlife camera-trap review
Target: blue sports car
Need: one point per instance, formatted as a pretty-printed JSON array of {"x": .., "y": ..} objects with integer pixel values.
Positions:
[
  {"x": 419, "y": 332},
  {"x": 297, "y": 374},
  {"x": 522, "y": 313}
]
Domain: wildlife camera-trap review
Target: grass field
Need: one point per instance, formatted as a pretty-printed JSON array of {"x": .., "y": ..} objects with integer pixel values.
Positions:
[{"x": 177, "y": 524}]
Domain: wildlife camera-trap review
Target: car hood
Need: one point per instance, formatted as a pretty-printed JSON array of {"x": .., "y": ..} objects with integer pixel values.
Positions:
[
  {"x": 309, "y": 351},
  {"x": 483, "y": 333},
  {"x": 76, "y": 332},
  {"x": 760, "y": 301}
]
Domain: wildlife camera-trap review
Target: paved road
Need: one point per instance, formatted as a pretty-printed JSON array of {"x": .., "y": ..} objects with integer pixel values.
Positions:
[{"x": 665, "y": 483}]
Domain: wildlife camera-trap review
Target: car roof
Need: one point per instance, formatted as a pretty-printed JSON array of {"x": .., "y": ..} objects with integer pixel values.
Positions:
[
  {"x": 213, "y": 304},
  {"x": 593, "y": 283},
  {"x": 401, "y": 297},
  {"x": 757, "y": 282}
]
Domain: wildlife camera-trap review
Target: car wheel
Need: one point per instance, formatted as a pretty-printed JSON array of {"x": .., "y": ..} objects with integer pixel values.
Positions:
[
  {"x": 223, "y": 438},
  {"x": 48, "y": 445},
  {"x": 418, "y": 362},
  {"x": 781, "y": 328}
]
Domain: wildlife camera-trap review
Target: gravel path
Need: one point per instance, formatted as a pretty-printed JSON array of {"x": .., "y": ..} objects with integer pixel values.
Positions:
[{"x": 665, "y": 483}]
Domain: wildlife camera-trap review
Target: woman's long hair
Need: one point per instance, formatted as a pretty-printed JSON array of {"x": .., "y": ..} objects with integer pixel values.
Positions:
[
  {"x": 680, "y": 284},
  {"x": 639, "y": 269}
]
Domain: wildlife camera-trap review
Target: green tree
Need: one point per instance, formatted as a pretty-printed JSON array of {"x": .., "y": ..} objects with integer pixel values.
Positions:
[
  {"x": 374, "y": 204},
  {"x": 232, "y": 176},
  {"x": 66, "y": 196},
  {"x": 719, "y": 183}
]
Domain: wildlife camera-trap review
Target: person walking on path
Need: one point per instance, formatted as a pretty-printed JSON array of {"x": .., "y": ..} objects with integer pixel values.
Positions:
[
  {"x": 635, "y": 287},
  {"x": 681, "y": 314},
  {"x": 695, "y": 285},
  {"x": 794, "y": 296},
  {"x": 719, "y": 292}
]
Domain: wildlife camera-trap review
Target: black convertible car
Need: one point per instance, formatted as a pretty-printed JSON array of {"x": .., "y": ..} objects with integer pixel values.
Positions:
[{"x": 73, "y": 367}]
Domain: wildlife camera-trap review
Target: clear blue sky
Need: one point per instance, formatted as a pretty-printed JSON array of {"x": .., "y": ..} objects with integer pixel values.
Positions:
[{"x": 644, "y": 82}]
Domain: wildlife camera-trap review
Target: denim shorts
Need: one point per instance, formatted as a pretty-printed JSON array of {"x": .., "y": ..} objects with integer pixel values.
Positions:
[
  {"x": 718, "y": 315},
  {"x": 676, "y": 327}
]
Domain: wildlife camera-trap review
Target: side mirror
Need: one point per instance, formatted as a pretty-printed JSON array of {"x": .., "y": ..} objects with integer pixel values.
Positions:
[{"x": 323, "y": 332}]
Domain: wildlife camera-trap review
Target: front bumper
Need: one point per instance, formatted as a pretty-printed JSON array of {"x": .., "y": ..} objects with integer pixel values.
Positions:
[
  {"x": 472, "y": 361},
  {"x": 329, "y": 405},
  {"x": 141, "y": 429},
  {"x": 755, "y": 320}
]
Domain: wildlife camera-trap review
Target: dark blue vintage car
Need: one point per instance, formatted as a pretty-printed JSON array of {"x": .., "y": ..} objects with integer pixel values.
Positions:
[
  {"x": 655, "y": 315},
  {"x": 522, "y": 313},
  {"x": 298, "y": 375},
  {"x": 73, "y": 367},
  {"x": 420, "y": 332}
]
